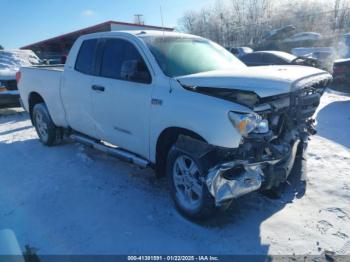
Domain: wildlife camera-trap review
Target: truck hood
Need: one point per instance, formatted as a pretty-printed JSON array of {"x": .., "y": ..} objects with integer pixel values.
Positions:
[{"x": 265, "y": 81}]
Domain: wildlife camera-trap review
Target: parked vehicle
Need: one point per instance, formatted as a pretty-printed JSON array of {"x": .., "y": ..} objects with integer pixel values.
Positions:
[
  {"x": 264, "y": 58},
  {"x": 279, "y": 33},
  {"x": 240, "y": 51},
  {"x": 325, "y": 59},
  {"x": 181, "y": 104},
  {"x": 303, "y": 36},
  {"x": 10, "y": 62},
  {"x": 272, "y": 39},
  {"x": 341, "y": 71},
  {"x": 305, "y": 51},
  {"x": 324, "y": 55}
]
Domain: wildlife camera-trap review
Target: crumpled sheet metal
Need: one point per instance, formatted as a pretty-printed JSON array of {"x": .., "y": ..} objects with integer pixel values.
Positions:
[{"x": 223, "y": 189}]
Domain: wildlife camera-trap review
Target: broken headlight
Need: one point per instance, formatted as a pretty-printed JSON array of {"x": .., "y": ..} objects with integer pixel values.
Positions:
[{"x": 246, "y": 123}]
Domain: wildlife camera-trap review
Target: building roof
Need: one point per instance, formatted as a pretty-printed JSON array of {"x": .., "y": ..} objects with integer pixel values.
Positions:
[{"x": 105, "y": 26}]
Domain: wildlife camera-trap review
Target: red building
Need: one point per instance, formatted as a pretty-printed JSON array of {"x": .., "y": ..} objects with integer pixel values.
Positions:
[{"x": 58, "y": 46}]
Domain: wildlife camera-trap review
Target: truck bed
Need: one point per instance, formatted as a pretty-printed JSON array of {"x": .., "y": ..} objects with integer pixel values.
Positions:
[{"x": 44, "y": 80}]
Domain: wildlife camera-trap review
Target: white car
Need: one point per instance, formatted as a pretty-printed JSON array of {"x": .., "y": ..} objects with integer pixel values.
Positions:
[
  {"x": 240, "y": 51},
  {"x": 181, "y": 104},
  {"x": 303, "y": 36},
  {"x": 10, "y": 62}
]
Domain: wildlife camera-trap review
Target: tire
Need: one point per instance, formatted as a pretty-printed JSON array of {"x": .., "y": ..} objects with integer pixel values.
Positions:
[
  {"x": 47, "y": 131},
  {"x": 192, "y": 197}
]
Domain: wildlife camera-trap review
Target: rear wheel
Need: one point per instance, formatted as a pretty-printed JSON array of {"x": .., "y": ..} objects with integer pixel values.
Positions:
[
  {"x": 188, "y": 186},
  {"x": 45, "y": 128}
]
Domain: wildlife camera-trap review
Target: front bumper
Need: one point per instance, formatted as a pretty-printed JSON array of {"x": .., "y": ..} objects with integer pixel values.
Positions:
[
  {"x": 225, "y": 189},
  {"x": 233, "y": 179},
  {"x": 9, "y": 98}
]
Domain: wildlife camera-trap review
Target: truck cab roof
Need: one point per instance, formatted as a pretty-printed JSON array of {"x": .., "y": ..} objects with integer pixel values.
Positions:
[{"x": 139, "y": 34}]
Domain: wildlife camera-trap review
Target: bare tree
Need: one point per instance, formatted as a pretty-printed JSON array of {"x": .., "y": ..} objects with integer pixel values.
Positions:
[
  {"x": 188, "y": 21},
  {"x": 245, "y": 22}
]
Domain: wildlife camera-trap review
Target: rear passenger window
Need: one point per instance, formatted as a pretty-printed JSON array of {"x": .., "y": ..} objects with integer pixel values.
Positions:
[{"x": 85, "y": 59}]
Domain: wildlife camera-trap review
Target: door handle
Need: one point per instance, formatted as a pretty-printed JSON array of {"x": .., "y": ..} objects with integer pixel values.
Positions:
[{"x": 98, "y": 88}]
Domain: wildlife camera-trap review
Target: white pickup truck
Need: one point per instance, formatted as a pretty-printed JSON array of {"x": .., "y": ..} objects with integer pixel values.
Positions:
[{"x": 181, "y": 104}]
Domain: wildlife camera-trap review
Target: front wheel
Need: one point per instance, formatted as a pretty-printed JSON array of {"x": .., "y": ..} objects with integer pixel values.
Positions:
[
  {"x": 44, "y": 126},
  {"x": 188, "y": 186}
]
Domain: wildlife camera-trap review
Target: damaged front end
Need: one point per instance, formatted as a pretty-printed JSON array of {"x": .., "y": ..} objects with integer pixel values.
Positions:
[
  {"x": 231, "y": 173},
  {"x": 263, "y": 160},
  {"x": 265, "y": 171}
]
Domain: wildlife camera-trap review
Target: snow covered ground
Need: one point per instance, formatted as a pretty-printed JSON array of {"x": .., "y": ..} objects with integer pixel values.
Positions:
[{"x": 70, "y": 200}]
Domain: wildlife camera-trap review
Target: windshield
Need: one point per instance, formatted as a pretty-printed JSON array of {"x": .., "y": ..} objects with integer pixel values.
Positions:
[{"x": 178, "y": 56}]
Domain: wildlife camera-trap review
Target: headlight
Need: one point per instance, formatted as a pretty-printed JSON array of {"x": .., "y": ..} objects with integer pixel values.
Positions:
[
  {"x": 262, "y": 127},
  {"x": 246, "y": 123}
]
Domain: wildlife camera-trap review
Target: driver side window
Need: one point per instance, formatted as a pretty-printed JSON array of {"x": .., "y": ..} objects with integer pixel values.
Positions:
[{"x": 121, "y": 60}]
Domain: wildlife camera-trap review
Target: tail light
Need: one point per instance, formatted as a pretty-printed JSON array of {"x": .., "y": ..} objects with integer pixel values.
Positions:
[
  {"x": 339, "y": 69},
  {"x": 18, "y": 76}
]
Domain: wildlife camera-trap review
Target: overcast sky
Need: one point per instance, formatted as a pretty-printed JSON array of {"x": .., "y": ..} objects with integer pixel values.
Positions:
[{"x": 29, "y": 21}]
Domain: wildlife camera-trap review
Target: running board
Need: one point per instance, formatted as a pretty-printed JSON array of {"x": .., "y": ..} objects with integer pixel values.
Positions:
[{"x": 113, "y": 151}]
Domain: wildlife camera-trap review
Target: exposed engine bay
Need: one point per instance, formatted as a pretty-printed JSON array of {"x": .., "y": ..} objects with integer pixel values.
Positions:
[{"x": 263, "y": 160}]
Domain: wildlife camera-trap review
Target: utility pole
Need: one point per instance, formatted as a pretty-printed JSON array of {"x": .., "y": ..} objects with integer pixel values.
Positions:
[{"x": 139, "y": 19}]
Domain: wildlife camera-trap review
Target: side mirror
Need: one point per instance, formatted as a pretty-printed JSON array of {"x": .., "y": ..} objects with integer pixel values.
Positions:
[{"x": 135, "y": 70}]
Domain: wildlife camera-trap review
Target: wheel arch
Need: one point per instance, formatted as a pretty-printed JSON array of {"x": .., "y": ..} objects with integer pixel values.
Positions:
[
  {"x": 33, "y": 99},
  {"x": 165, "y": 141}
]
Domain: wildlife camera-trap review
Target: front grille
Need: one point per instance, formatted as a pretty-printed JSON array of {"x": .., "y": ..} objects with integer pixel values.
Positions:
[
  {"x": 305, "y": 102},
  {"x": 302, "y": 106}
]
